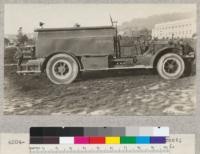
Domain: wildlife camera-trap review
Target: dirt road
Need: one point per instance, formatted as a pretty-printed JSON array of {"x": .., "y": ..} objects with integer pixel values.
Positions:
[{"x": 99, "y": 93}]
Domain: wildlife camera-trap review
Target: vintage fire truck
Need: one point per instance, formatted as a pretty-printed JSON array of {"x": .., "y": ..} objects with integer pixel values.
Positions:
[{"x": 64, "y": 52}]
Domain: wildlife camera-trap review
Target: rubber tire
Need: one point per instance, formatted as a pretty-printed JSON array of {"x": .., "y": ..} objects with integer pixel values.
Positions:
[
  {"x": 161, "y": 70},
  {"x": 71, "y": 61}
]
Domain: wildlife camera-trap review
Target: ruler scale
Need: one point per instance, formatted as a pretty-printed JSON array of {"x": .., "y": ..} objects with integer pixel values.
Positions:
[{"x": 99, "y": 148}]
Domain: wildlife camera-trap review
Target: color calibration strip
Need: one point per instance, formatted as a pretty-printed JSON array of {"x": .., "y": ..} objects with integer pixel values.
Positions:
[
  {"x": 99, "y": 131},
  {"x": 99, "y": 140},
  {"x": 98, "y": 135}
]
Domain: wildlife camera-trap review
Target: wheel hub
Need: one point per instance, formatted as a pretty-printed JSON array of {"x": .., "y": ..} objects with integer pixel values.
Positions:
[
  {"x": 61, "y": 68},
  {"x": 171, "y": 66}
]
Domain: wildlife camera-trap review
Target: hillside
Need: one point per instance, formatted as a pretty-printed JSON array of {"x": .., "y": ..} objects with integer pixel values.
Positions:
[{"x": 149, "y": 22}]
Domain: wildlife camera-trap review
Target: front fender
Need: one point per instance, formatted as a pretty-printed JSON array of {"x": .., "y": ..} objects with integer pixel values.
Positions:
[{"x": 163, "y": 51}]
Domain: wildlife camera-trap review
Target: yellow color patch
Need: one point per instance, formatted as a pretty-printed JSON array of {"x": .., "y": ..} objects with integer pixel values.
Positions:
[{"x": 112, "y": 140}]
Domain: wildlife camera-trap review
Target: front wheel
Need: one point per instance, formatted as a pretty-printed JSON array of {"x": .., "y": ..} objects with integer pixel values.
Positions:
[
  {"x": 62, "y": 69},
  {"x": 170, "y": 66}
]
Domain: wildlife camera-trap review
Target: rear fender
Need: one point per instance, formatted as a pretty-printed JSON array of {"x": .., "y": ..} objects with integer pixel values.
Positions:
[{"x": 53, "y": 54}]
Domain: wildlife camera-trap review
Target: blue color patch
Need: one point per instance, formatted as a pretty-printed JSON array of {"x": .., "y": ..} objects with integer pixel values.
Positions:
[{"x": 143, "y": 140}]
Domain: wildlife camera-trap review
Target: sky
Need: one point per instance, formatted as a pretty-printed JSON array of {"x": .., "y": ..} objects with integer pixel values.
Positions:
[{"x": 28, "y": 16}]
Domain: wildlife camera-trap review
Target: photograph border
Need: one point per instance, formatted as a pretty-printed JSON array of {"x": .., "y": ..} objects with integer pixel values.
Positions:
[{"x": 177, "y": 124}]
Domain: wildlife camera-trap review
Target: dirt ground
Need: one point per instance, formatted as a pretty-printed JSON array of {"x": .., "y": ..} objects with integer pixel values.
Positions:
[{"x": 135, "y": 92}]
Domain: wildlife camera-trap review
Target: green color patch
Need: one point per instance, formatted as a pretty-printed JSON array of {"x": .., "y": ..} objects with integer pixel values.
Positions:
[{"x": 127, "y": 140}]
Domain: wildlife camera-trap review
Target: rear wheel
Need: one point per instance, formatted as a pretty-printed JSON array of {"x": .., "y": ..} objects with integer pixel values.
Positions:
[
  {"x": 170, "y": 66},
  {"x": 62, "y": 69}
]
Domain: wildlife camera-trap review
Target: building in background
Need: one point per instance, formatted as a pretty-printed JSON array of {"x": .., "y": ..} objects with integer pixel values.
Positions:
[{"x": 177, "y": 29}]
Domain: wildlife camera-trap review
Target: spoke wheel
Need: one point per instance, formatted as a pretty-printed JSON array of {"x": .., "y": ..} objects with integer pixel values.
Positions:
[
  {"x": 62, "y": 69},
  {"x": 171, "y": 66}
]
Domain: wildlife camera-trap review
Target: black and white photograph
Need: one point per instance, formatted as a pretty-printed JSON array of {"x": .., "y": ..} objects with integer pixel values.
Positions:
[{"x": 100, "y": 59}]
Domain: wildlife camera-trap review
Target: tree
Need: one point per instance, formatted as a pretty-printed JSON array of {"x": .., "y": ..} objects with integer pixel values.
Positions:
[
  {"x": 146, "y": 33},
  {"x": 25, "y": 38},
  {"x": 6, "y": 42},
  {"x": 21, "y": 38}
]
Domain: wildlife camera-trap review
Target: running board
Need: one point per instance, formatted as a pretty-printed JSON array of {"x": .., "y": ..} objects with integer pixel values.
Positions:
[
  {"x": 119, "y": 68},
  {"x": 28, "y": 72}
]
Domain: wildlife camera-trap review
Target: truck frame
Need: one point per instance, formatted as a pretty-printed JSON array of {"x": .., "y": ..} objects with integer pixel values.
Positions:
[{"x": 64, "y": 52}]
